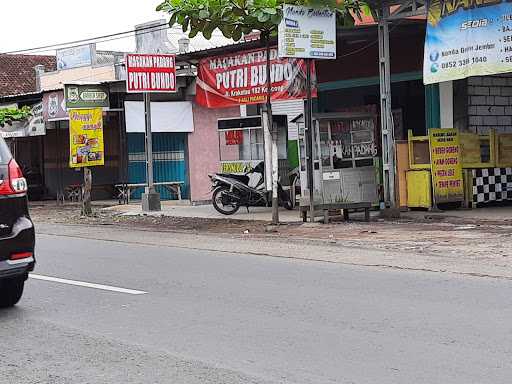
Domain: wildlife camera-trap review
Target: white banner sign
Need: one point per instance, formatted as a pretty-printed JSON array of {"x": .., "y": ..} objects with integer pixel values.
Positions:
[
  {"x": 306, "y": 32},
  {"x": 173, "y": 116}
]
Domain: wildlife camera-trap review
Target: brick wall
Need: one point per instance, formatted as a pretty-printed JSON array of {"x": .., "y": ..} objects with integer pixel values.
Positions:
[{"x": 490, "y": 103}]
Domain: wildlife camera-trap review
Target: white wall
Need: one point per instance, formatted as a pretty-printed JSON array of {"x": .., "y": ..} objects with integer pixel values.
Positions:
[{"x": 446, "y": 104}]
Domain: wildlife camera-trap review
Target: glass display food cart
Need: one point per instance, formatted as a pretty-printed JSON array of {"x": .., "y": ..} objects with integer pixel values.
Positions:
[{"x": 346, "y": 158}]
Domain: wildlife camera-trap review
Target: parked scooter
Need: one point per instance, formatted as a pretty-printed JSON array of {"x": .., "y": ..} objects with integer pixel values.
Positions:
[{"x": 232, "y": 191}]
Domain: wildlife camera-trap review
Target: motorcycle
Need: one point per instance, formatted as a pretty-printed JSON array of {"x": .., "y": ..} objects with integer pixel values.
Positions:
[{"x": 232, "y": 191}]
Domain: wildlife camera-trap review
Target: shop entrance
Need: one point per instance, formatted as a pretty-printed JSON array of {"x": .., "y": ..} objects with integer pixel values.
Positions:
[{"x": 169, "y": 162}]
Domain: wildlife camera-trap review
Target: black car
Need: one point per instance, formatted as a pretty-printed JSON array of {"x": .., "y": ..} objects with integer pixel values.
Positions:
[{"x": 17, "y": 236}]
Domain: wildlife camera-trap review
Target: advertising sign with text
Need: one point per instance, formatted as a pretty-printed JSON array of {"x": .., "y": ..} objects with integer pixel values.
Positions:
[
  {"x": 86, "y": 96},
  {"x": 446, "y": 165},
  {"x": 306, "y": 32},
  {"x": 241, "y": 78},
  {"x": 466, "y": 38},
  {"x": 150, "y": 73},
  {"x": 86, "y": 138}
]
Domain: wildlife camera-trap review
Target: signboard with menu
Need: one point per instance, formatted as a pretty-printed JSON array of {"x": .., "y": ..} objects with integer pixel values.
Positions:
[
  {"x": 86, "y": 138},
  {"x": 306, "y": 32},
  {"x": 151, "y": 73},
  {"x": 446, "y": 165},
  {"x": 467, "y": 39}
]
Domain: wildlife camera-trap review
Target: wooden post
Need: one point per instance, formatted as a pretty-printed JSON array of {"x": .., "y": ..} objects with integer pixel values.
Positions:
[{"x": 86, "y": 198}]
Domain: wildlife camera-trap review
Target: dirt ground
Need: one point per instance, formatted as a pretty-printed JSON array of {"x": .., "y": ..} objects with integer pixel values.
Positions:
[{"x": 450, "y": 237}]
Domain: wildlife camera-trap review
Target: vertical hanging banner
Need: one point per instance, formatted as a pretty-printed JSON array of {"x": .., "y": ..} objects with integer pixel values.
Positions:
[
  {"x": 86, "y": 138},
  {"x": 467, "y": 38},
  {"x": 240, "y": 78},
  {"x": 150, "y": 73},
  {"x": 446, "y": 165}
]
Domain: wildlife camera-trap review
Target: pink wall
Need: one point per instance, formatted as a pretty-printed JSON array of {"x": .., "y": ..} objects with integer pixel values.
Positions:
[{"x": 203, "y": 149}]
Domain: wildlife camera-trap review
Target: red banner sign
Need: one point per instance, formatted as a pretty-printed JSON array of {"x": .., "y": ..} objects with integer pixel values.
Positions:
[
  {"x": 226, "y": 81},
  {"x": 150, "y": 73}
]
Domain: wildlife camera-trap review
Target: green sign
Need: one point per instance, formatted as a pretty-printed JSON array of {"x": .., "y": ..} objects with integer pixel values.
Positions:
[{"x": 86, "y": 96}]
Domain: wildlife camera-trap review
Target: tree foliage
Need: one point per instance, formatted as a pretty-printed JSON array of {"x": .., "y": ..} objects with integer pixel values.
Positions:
[
  {"x": 8, "y": 115},
  {"x": 234, "y": 18}
]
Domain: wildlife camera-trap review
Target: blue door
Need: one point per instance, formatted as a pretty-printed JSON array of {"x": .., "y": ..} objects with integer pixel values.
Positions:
[{"x": 168, "y": 162}]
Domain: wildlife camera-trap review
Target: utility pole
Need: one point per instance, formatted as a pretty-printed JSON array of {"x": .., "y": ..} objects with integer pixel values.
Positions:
[
  {"x": 272, "y": 145},
  {"x": 150, "y": 197},
  {"x": 309, "y": 141},
  {"x": 388, "y": 141}
]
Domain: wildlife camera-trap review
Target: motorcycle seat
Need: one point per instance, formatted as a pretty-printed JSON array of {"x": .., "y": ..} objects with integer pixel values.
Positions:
[{"x": 242, "y": 178}]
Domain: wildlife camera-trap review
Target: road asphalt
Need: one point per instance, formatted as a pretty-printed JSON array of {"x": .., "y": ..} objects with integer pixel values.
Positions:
[{"x": 115, "y": 312}]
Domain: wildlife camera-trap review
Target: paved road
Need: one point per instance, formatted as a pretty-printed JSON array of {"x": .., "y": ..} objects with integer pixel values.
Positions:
[{"x": 214, "y": 317}]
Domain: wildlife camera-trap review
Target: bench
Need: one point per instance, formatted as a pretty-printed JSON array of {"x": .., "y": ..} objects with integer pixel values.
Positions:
[
  {"x": 74, "y": 192},
  {"x": 125, "y": 190},
  {"x": 323, "y": 210}
]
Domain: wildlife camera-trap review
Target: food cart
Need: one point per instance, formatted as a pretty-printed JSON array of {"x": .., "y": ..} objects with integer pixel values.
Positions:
[{"x": 346, "y": 161}]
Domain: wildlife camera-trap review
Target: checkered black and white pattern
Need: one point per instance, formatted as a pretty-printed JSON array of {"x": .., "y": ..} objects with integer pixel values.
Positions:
[{"x": 492, "y": 184}]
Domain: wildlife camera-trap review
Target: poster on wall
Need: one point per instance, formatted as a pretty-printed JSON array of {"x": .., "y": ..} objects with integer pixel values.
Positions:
[
  {"x": 467, "y": 39},
  {"x": 240, "y": 78},
  {"x": 307, "y": 32},
  {"x": 446, "y": 165},
  {"x": 86, "y": 138}
]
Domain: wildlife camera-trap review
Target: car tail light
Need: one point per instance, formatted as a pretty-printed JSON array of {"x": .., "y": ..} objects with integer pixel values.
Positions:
[
  {"x": 14, "y": 183},
  {"x": 21, "y": 255}
]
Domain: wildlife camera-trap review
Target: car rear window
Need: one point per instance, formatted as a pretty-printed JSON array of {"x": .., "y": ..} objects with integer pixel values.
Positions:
[{"x": 5, "y": 155}]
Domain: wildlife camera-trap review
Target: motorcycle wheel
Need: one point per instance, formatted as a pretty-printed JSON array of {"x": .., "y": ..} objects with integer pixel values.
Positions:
[
  {"x": 285, "y": 200},
  {"x": 287, "y": 204},
  {"x": 219, "y": 205}
]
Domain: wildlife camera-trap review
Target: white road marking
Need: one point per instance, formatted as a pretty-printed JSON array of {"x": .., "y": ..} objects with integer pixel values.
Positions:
[{"x": 87, "y": 285}]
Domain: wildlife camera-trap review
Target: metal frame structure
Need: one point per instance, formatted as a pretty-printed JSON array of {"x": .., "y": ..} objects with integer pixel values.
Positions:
[{"x": 385, "y": 12}]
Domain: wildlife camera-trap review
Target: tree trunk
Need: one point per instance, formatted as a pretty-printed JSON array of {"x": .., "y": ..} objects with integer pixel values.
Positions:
[
  {"x": 86, "y": 198},
  {"x": 275, "y": 164}
]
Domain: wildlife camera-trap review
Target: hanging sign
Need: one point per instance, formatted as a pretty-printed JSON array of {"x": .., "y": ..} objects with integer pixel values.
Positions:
[
  {"x": 467, "y": 39},
  {"x": 231, "y": 80},
  {"x": 306, "y": 32},
  {"x": 86, "y": 138},
  {"x": 86, "y": 96},
  {"x": 446, "y": 165},
  {"x": 150, "y": 73}
]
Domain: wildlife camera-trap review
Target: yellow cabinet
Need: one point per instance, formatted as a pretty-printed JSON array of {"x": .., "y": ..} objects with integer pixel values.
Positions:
[{"x": 419, "y": 189}]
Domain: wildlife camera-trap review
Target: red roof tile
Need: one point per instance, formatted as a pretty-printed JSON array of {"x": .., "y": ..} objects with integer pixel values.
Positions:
[{"x": 17, "y": 73}]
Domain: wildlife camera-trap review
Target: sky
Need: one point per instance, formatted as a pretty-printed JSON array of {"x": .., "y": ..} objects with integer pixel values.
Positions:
[{"x": 35, "y": 23}]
